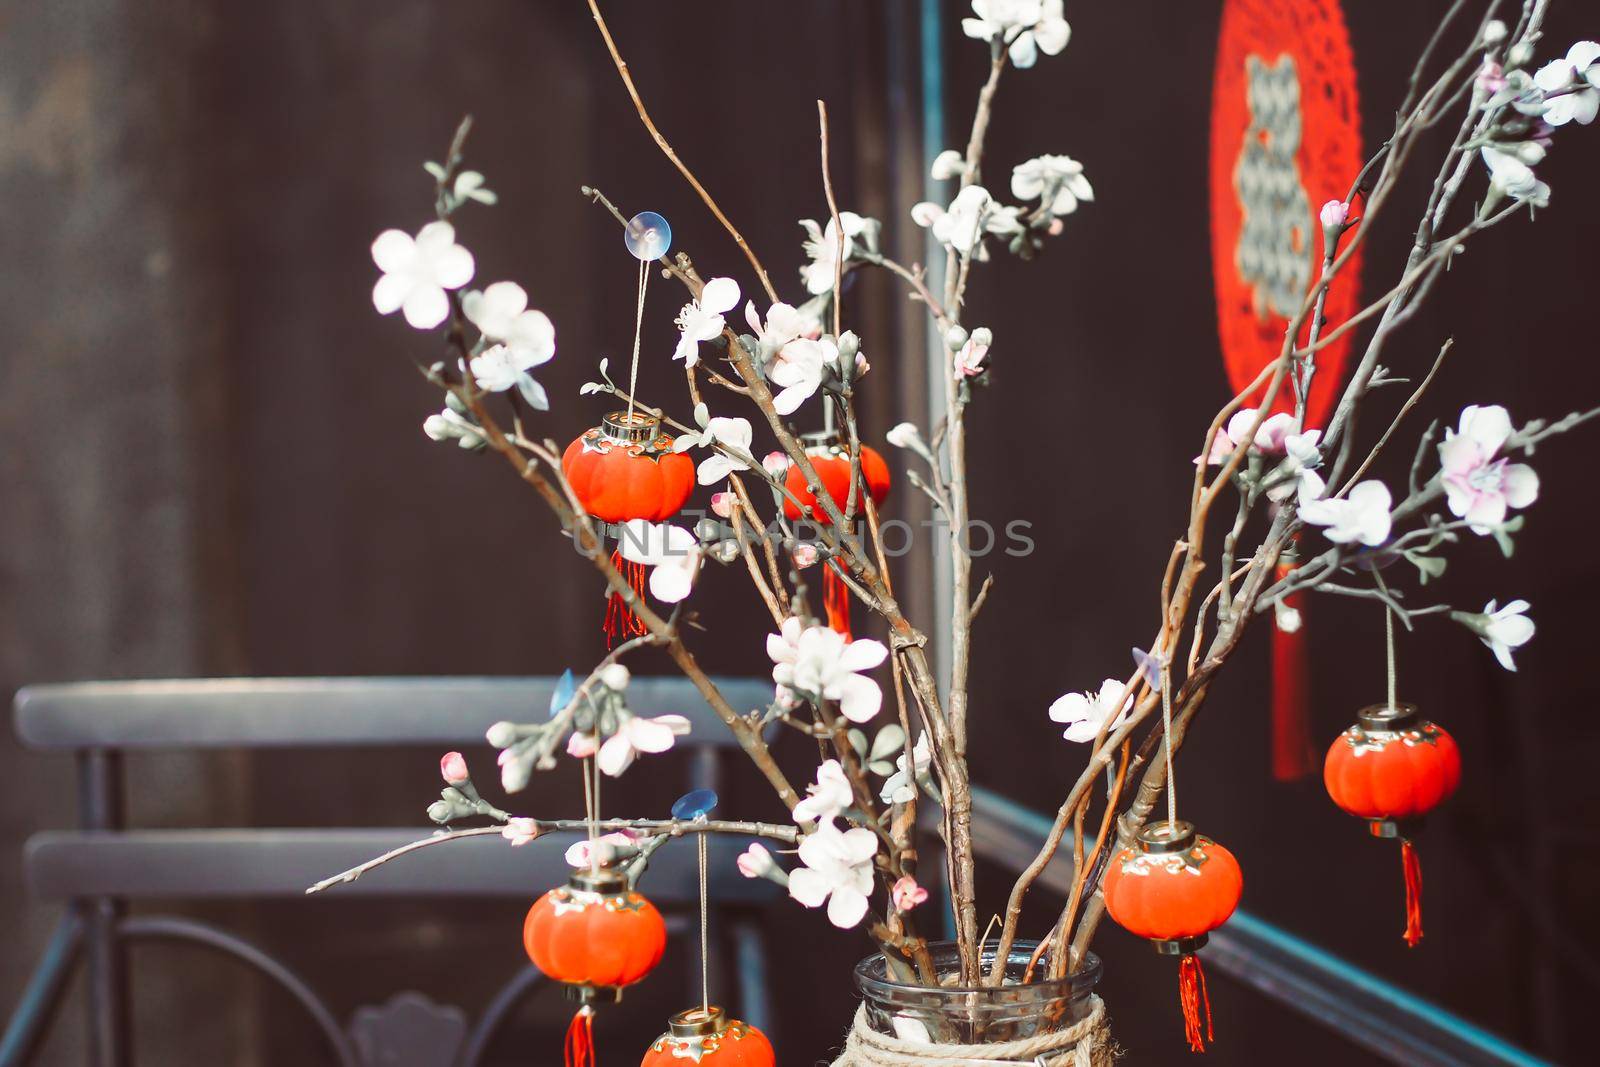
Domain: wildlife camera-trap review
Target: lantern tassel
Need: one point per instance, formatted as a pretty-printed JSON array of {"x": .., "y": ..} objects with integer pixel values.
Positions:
[
  {"x": 580, "y": 1039},
  {"x": 1196, "y": 1003},
  {"x": 1292, "y": 757},
  {"x": 836, "y": 602},
  {"x": 620, "y": 622},
  {"x": 1413, "y": 868}
]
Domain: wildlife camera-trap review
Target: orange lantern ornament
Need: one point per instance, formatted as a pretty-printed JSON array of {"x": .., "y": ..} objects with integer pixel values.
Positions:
[
  {"x": 707, "y": 1036},
  {"x": 831, "y": 460},
  {"x": 1391, "y": 768},
  {"x": 593, "y": 935},
  {"x": 624, "y": 469},
  {"x": 1174, "y": 887}
]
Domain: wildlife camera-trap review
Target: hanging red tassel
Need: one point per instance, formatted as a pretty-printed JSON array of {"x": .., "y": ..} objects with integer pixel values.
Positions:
[
  {"x": 1413, "y": 868},
  {"x": 1196, "y": 1003},
  {"x": 580, "y": 1039},
  {"x": 620, "y": 622},
  {"x": 836, "y": 602},
  {"x": 1292, "y": 758}
]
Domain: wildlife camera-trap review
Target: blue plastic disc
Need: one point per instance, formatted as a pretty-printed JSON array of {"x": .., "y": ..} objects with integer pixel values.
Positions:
[
  {"x": 648, "y": 236},
  {"x": 694, "y": 805}
]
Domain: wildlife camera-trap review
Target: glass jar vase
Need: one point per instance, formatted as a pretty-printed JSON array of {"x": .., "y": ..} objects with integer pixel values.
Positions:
[{"x": 954, "y": 1014}]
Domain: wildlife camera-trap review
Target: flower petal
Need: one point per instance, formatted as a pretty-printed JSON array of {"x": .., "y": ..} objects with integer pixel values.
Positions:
[
  {"x": 425, "y": 306},
  {"x": 718, "y": 296},
  {"x": 859, "y": 697},
  {"x": 616, "y": 755},
  {"x": 808, "y": 887},
  {"x": 863, "y": 655}
]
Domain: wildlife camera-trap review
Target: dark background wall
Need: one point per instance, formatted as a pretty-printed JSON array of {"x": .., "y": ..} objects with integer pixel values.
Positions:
[{"x": 211, "y": 460}]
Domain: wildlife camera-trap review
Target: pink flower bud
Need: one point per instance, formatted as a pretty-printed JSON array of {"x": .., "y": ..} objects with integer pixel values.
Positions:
[
  {"x": 1491, "y": 77},
  {"x": 581, "y": 746},
  {"x": 723, "y": 504},
  {"x": 1333, "y": 214},
  {"x": 453, "y": 767},
  {"x": 755, "y": 861},
  {"x": 906, "y": 893},
  {"x": 805, "y": 555},
  {"x": 775, "y": 463},
  {"x": 520, "y": 831}
]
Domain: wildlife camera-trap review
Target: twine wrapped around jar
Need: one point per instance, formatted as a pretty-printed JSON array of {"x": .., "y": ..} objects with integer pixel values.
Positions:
[{"x": 1086, "y": 1043}]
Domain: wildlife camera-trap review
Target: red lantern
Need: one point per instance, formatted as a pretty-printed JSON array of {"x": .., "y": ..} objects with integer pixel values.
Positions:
[
  {"x": 1391, "y": 768},
  {"x": 831, "y": 460},
  {"x": 624, "y": 469},
  {"x": 1174, "y": 887},
  {"x": 707, "y": 1036},
  {"x": 593, "y": 934}
]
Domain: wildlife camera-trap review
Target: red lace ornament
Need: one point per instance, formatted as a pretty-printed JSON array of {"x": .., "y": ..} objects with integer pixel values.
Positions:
[
  {"x": 594, "y": 935},
  {"x": 625, "y": 469},
  {"x": 706, "y": 1036},
  {"x": 1174, "y": 887},
  {"x": 1392, "y": 768},
  {"x": 831, "y": 460}
]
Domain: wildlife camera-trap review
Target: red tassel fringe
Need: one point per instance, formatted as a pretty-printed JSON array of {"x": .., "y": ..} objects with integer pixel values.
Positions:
[
  {"x": 1196, "y": 1003},
  {"x": 836, "y": 602},
  {"x": 1292, "y": 758},
  {"x": 580, "y": 1039},
  {"x": 1413, "y": 868},
  {"x": 620, "y": 622}
]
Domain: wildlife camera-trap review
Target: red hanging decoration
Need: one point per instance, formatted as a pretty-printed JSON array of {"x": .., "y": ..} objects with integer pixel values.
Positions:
[
  {"x": 1292, "y": 758},
  {"x": 831, "y": 460},
  {"x": 1174, "y": 887},
  {"x": 1392, "y": 768},
  {"x": 594, "y": 935},
  {"x": 625, "y": 469},
  {"x": 707, "y": 1036},
  {"x": 1285, "y": 139}
]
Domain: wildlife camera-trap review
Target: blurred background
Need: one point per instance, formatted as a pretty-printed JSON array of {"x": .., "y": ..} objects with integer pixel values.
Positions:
[{"x": 211, "y": 461}]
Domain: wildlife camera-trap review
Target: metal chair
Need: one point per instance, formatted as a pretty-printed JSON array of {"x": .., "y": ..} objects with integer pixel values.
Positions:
[{"x": 96, "y": 870}]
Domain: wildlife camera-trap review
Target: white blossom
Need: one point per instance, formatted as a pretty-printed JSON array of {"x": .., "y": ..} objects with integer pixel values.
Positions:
[
  {"x": 822, "y": 247},
  {"x": 702, "y": 319},
  {"x": 500, "y": 367},
  {"x": 1503, "y": 629},
  {"x": 1085, "y": 713},
  {"x": 947, "y": 165},
  {"x": 799, "y": 369},
  {"x": 501, "y": 314},
  {"x": 829, "y": 796},
  {"x": 1362, "y": 515},
  {"x": 970, "y": 215},
  {"x": 735, "y": 436},
  {"x": 972, "y": 356},
  {"x": 1571, "y": 85},
  {"x": 903, "y": 435},
  {"x": 1056, "y": 181},
  {"x": 1027, "y": 27},
  {"x": 1478, "y": 487},
  {"x": 1514, "y": 178},
  {"x": 901, "y": 786},
  {"x": 416, "y": 272},
  {"x": 672, "y": 553},
  {"x": 837, "y": 871},
  {"x": 601, "y": 851},
  {"x": 819, "y": 663},
  {"x": 784, "y": 324},
  {"x": 635, "y": 735}
]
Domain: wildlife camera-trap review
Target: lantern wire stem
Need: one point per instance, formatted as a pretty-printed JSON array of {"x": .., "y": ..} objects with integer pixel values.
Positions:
[
  {"x": 705, "y": 969},
  {"x": 591, "y": 805},
  {"x": 1388, "y": 637},
  {"x": 638, "y": 326},
  {"x": 1166, "y": 744}
]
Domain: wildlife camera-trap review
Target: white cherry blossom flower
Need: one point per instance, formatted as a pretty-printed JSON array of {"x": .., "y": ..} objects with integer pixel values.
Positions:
[
  {"x": 829, "y": 796},
  {"x": 901, "y": 786},
  {"x": 819, "y": 663},
  {"x": 449, "y": 425},
  {"x": 702, "y": 319},
  {"x": 784, "y": 324},
  {"x": 1028, "y": 27},
  {"x": 500, "y": 367},
  {"x": 1478, "y": 487},
  {"x": 1362, "y": 515},
  {"x": 416, "y": 272},
  {"x": 799, "y": 370},
  {"x": 1056, "y": 181},
  {"x": 1085, "y": 712},
  {"x": 635, "y": 735},
  {"x": 734, "y": 435},
  {"x": 1300, "y": 455},
  {"x": 1514, "y": 178},
  {"x": 971, "y": 360},
  {"x": 963, "y": 224},
  {"x": 671, "y": 552},
  {"x": 1572, "y": 85},
  {"x": 1504, "y": 629},
  {"x": 822, "y": 246},
  {"x": 602, "y": 851},
  {"x": 947, "y": 165},
  {"x": 520, "y": 831},
  {"x": 903, "y": 435},
  {"x": 837, "y": 871}
]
